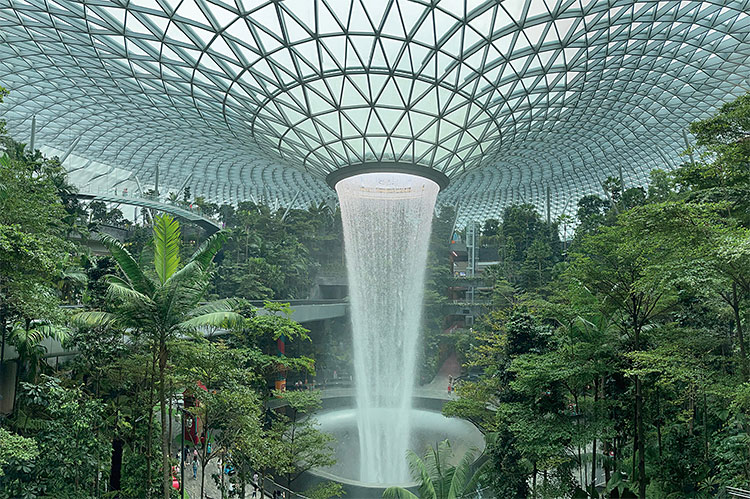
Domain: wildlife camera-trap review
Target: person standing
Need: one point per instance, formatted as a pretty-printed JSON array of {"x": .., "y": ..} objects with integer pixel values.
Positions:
[{"x": 195, "y": 469}]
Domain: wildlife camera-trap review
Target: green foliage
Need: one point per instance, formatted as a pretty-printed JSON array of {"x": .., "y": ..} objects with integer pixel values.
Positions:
[
  {"x": 34, "y": 224},
  {"x": 722, "y": 172},
  {"x": 28, "y": 340},
  {"x": 16, "y": 451},
  {"x": 436, "y": 477},
  {"x": 269, "y": 256},
  {"x": 165, "y": 307},
  {"x": 303, "y": 445},
  {"x": 644, "y": 355},
  {"x": 64, "y": 425},
  {"x": 436, "y": 305},
  {"x": 229, "y": 409},
  {"x": 167, "y": 244},
  {"x": 325, "y": 490}
]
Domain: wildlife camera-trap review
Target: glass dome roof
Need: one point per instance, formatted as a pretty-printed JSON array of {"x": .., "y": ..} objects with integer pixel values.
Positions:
[{"x": 509, "y": 99}]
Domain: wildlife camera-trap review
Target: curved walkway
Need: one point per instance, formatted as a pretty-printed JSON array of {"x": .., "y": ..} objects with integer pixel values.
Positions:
[{"x": 207, "y": 224}]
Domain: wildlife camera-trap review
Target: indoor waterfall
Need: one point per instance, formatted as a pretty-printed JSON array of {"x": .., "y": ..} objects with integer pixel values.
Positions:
[{"x": 387, "y": 219}]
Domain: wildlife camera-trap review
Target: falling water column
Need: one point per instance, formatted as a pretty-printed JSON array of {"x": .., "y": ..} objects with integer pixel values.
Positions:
[{"x": 387, "y": 218}]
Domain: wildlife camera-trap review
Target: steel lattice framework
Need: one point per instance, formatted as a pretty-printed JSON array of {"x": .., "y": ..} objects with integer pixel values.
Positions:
[{"x": 510, "y": 99}]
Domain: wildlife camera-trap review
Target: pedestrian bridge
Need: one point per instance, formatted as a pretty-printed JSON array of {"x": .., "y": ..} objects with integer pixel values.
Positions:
[
  {"x": 208, "y": 224},
  {"x": 311, "y": 310},
  {"x": 303, "y": 311}
]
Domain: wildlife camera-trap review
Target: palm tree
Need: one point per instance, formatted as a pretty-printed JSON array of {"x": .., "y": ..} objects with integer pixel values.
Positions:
[
  {"x": 164, "y": 306},
  {"x": 437, "y": 479},
  {"x": 28, "y": 338}
]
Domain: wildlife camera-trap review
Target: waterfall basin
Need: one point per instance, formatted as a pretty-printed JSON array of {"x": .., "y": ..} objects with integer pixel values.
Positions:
[{"x": 428, "y": 426}]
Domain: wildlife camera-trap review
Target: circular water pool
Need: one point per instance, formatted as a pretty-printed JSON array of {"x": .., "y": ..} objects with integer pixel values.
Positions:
[{"x": 429, "y": 427}]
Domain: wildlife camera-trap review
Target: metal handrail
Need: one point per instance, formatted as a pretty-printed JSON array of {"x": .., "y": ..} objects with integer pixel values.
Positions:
[{"x": 736, "y": 492}]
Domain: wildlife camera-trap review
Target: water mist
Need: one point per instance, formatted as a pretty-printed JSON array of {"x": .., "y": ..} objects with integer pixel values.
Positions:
[{"x": 387, "y": 219}]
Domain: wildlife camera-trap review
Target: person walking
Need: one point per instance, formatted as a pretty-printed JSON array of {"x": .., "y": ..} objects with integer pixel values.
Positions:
[
  {"x": 256, "y": 488},
  {"x": 195, "y": 469},
  {"x": 195, "y": 455}
]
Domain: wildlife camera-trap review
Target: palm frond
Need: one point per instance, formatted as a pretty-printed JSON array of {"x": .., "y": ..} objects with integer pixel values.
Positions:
[
  {"x": 486, "y": 467},
  {"x": 207, "y": 251},
  {"x": 166, "y": 246},
  {"x": 420, "y": 471},
  {"x": 212, "y": 319},
  {"x": 133, "y": 272},
  {"x": 398, "y": 493},
  {"x": 461, "y": 474},
  {"x": 75, "y": 276},
  {"x": 26, "y": 338},
  {"x": 55, "y": 332},
  {"x": 184, "y": 290},
  {"x": 93, "y": 319},
  {"x": 125, "y": 292},
  {"x": 225, "y": 305},
  {"x": 190, "y": 272}
]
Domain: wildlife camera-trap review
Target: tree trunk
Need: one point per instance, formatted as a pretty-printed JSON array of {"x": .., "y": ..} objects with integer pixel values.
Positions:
[
  {"x": 221, "y": 475},
  {"x": 150, "y": 434},
  {"x": 204, "y": 464},
  {"x": 705, "y": 425},
  {"x": 606, "y": 447},
  {"x": 593, "y": 445},
  {"x": 740, "y": 333},
  {"x": 634, "y": 464},
  {"x": 533, "y": 482},
  {"x": 658, "y": 422},
  {"x": 171, "y": 391},
  {"x": 16, "y": 384},
  {"x": 116, "y": 469},
  {"x": 291, "y": 447},
  {"x": 166, "y": 478},
  {"x": 641, "y": 444},
  {"x": 2, "y": 342}
]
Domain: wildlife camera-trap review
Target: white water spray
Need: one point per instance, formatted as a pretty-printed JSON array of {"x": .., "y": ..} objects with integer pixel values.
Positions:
[{"x": 387, "y": 219}]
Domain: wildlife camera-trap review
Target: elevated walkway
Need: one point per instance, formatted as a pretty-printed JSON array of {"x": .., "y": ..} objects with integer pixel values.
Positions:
[
  {"x": 208, "y": 224},
  {"x": 312, "y": 310},
  {"x": 302, "y": 311}
]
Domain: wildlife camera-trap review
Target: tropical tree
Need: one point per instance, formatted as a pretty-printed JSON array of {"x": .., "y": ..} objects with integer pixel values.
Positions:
[
  {"x": 303, "y": 445},
  {"x": 627, "y": 275},
  {"x": 437, "y": 479},
  {"x": 32, "y": 234},
  {"x": 165, "y": 305},
  {"x": 28, "y": 338},
  {"x": 229, "y": 410},
  {"x": 69, "y": 451}
]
